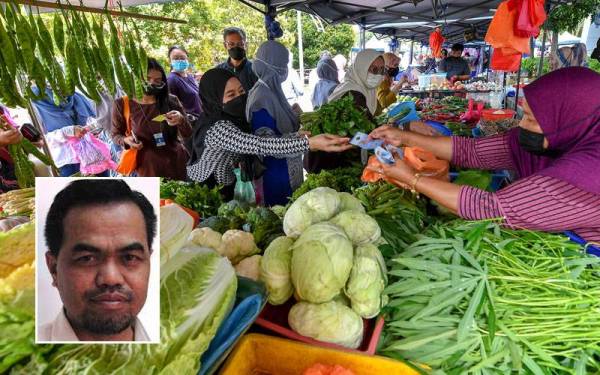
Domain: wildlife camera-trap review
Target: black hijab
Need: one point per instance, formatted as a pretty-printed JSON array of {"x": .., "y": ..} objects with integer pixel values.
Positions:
[
  {"x": 212, "y": 89},
  {"x": 596, "y": 52}
]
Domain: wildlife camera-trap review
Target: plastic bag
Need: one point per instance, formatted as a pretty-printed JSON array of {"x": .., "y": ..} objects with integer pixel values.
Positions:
[
  {"x": 501, "y": 32},
  {"x": 505, "y": 62},
  {"x": 435, "y": 42},
  {"x": 243, "y": 191},
  {"x": 532, "y": 15},
  {"x": 93, "y": 154}
]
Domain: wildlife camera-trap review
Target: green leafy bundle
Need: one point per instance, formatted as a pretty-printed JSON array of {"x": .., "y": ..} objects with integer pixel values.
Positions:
[
  {"x": 471, "y": 297},
  {"x": 399, "y": 213},
  {"x": 340, "y": 179},
  {"x": 192, "y": 195},
  {"x": 339, "y": 117},
  {"x": 475, "y": 178}
]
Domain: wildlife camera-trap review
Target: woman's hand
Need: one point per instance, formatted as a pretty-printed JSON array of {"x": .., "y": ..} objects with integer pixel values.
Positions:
[
  {"x": 329, "y": 143},
  {"x": 399, "y": 171},
  {"x": 131, "y": 142},
  {"x": 10, "y": 137},
  {"x": 389, "y": 135},
  {"x": 174, "y": 118},
  {"x": 422, "y": 128}
]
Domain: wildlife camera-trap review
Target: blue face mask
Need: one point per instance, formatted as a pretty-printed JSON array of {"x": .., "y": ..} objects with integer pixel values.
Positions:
[{"x": 180, "y": 65}]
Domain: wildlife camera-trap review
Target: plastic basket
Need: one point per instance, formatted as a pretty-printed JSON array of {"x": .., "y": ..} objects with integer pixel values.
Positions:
[
  {"x": 251, "y": 297},
  {"x": 399, "y": 107},
  {"x": 261, "y": 354},
  {"x": 497, "y": 114},
  {"x": 439, "y": 127},
  {"x": 275, "y": 319},
  {"x": 590, "y": 249}
]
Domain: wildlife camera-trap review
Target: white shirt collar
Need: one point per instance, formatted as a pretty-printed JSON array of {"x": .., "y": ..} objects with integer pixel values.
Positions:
[{"x": 60, "y": 330}]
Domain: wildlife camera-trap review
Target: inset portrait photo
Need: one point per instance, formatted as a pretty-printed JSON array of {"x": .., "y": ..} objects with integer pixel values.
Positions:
[{"x": 97, "y": 258}]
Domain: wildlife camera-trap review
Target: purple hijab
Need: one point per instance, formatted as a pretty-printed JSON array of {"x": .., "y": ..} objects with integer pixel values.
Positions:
[{"x": 566, "y": 104}]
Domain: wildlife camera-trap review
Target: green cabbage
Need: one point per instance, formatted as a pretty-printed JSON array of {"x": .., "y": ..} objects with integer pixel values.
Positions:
[
  {"x": 330, "y": 322},
  {"x": 367, "y": 282},
  {"x": 197, "y": 292},
  {"x": 176, "y": 226},
  {"x": 321, "y": 263},
  {"x": 317, "y": 205},
  {"x": 360, "y": 227},
  {"x": 350, "y": 203},
  {"x": 275, "y": 270}
]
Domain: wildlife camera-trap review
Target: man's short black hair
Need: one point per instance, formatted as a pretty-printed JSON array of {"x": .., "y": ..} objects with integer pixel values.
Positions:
[
  {"x": 88, "y": 192},
  {"x": 458, "y": 47},
  {"x": 234, "y": 30}
]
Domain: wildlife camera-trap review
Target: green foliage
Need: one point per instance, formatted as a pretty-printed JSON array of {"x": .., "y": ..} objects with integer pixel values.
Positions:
[
  {"x": 594, "y": 65},
  {"x": 335, "y": 39},
  {"x": 531, "y": 65},
  {"x": 340, "y": 117},
  {"x": 567, "y": 17}
]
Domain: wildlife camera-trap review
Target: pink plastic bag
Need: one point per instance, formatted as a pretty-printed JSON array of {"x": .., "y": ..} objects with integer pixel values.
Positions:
[
  {"x": 531, "y": 16},
  {"x": 93, "y": 154}
]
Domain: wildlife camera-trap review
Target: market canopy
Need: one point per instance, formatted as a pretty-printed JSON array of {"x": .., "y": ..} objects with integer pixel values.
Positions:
[{"x": 406, "y": 19}]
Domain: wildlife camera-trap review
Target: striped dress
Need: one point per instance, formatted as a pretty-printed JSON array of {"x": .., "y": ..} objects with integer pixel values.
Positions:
[{"x": 535, "y": 202}]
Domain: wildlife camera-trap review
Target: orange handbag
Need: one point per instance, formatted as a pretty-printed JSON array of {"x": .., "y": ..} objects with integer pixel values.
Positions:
[{"x": 128, "y": 163}]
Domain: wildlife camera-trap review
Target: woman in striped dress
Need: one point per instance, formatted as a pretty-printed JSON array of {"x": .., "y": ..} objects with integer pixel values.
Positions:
[{"x": 555, "y": 152}]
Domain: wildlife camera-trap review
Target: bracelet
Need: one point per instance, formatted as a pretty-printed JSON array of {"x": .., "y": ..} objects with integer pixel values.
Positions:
[{"x": 413, "y": 186}]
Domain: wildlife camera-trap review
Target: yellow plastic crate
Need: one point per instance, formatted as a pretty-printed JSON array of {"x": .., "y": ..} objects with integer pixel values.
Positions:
[{"x": 266, "y": 355}]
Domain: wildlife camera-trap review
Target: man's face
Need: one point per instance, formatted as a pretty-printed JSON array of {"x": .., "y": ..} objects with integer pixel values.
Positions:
[
  {"x": 234, "y": 40},
  {"x": 103, "y": 267},
  {"x": 456, "y": 53}
]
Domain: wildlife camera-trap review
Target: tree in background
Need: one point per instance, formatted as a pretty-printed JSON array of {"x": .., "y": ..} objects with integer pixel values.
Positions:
[
  {"x": 335, "y": 39},
  {"x": 202, "y": 35}
]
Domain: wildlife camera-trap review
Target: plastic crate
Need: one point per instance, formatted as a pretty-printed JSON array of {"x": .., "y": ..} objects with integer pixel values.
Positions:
[
  {"x": 266, "y": 355},
  {"x": 439, "y": 127},
  {"x": 275, "y": 319},
  {"x": 251, "y": 298},
  {"x": 590, "y": 249}
]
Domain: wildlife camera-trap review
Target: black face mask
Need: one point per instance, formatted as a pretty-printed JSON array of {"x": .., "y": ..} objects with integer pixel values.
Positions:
[
  {"x": 153, "y": 89},
  {"x": 392, "y": 72},
  {"x": 236, "y": 107},
  {"x": 533, "y": 142},
  {"x": 237, "y": 53}
]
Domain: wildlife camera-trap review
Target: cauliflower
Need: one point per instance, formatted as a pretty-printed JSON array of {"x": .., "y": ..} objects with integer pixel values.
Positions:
[
  {"x": 249, "y": 267},
  {"x": 206, "y": 237},
  {"x": 237, "y": 245}
]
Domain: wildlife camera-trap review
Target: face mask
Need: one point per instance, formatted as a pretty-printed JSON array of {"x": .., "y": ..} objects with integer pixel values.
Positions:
[
  {"x": 393, "y": 72},
  {"x": 532, "y": 142},
  {"x": 374, "y": 80},
  {"x": 236, "y": 107},
  {"x": 180, "y": 65},
  {"x": 237, "y": 53},
  {"x": 154, "y": 90}
]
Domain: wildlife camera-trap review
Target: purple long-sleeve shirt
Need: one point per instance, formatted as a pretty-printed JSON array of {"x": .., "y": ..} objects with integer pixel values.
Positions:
[
  {"x": 187, "y": 91},
  {"x": 535, "y": 202}
]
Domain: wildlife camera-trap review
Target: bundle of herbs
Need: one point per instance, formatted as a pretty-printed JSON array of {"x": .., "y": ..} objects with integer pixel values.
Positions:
[
  {"x": 339, "y": 117},
  {"x": 340, "y": 179}
]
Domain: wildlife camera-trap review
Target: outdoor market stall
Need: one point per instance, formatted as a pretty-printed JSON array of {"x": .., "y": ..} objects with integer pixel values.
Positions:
[{"x": 356, "y": 275}]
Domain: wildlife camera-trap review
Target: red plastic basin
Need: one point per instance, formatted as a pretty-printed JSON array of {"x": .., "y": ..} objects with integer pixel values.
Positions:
[{"x": 275, "y": 319}]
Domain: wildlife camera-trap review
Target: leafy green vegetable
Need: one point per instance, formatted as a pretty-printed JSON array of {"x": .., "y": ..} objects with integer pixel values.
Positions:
[
  {"x": 471, "y": 296},
  {"x": 276, "y": 268},
  {"x": 265, "y": 225},
  {"x": 329, "y": 322},
  {"x": 367, "y": 281},
  {"x": 341, "y": 179},
  {"x": 476, "y": 178},
  {"x": 176, "y": 226},
  {"x": 317, "y": 205},
  {"x": 339, "y": 117},
  {"x": 321, "y": 262},
  {"x": 195, "y": 196},
  {"x": 360, "y": 228}
]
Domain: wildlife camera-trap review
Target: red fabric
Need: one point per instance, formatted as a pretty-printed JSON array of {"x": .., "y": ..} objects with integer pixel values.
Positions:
[
  {"x": 504, "y": 60},
  {"x": 436, "y": 40},
  {"x": 501, "y": 32},
  {"x": 532, "y": 15}
]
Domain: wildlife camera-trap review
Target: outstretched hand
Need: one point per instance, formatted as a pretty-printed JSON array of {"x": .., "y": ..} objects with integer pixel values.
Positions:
[{"x": 329, "y": 143}]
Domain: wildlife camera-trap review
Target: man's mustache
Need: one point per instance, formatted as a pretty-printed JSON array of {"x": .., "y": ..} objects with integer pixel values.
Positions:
[{"x": 119, "y": 292}]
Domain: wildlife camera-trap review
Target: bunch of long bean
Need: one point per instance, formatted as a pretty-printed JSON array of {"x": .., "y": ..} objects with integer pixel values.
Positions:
[{"x": 475, "y": 298}]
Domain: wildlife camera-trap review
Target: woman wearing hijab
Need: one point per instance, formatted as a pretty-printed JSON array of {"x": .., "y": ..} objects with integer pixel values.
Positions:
[
  {"x": 566, "y": 57},
  {"x": 224, "y": 138},
  {"x": 270, "y": 115},
  {"x": 361, "y": 81},
  {"x": 160, "y": 153},
  {"x": 328, "y": 81},
  {"x": 554, "y": 152}
]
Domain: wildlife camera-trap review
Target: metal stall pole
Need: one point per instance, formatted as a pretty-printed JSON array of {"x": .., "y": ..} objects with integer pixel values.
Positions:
[
  {"x": 300, "y": 47},
  {"x": 363, "y": 36},
  {"x": 518, "y": 85},
  {"x": 541, "y": 66},
  {"x": 412, "y": 47},
  {"x": 504, "y": 88}
]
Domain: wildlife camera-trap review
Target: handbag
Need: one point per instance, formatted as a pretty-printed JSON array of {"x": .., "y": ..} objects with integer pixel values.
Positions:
[{"x": 128, "y": 162}]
